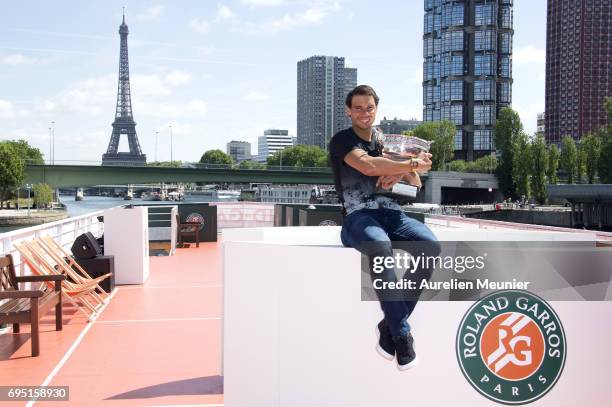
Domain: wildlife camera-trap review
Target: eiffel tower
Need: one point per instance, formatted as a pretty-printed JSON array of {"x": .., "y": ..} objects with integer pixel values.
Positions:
[{"x": 124, "y": 121}]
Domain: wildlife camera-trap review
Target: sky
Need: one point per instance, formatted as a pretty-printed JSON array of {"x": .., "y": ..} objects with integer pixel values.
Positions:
[{"x": 215, "y": 71}]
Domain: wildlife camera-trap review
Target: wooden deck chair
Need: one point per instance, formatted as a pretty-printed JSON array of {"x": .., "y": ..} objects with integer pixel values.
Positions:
[
  {"x": 61, "y": 267},
  {"x": 60, "y": 255},
  {"x": 70, "y": 292}
]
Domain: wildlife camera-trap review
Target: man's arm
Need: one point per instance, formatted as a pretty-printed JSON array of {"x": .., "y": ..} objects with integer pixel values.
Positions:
[{"x": 377, "y": 166}]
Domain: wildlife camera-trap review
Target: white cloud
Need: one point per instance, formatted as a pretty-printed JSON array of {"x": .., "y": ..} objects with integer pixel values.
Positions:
[
  {"x": 315, "y": 14},
  {"x": 257, "y": 3},
  {"x": 177, "y": 78},
  {"x": 16, "y": 59},
  {"x": 528, "y": 114},
  {"x": 224, "y": 13},
  {"x": 199, "y": 25},
  {"x": 6, "y": 108},
  {"x": 256, "y": 97},
  {"x": 529, "y": 54},
  {"x": 151, "y": 14},
  {"x": 150, "y": 108}
]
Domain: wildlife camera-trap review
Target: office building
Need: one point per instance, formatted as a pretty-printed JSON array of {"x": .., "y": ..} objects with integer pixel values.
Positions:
[
  {"x": 239, "y": 150},
  {"x": 578, "y": 67},
  {"x": 541, "y": 123},
  {"x": 322, "y": 85},
  {"x": 467, "y": 68},
  {"x": 273, "y": 140},
  {"x": 398, "y": 126}
]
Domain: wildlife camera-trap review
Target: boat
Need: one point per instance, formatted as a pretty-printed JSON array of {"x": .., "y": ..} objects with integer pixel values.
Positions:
[{"x": 151, "y": 196}]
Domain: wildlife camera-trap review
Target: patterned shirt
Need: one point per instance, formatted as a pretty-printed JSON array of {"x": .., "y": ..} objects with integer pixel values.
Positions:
[{"x": 356, "y": 190}]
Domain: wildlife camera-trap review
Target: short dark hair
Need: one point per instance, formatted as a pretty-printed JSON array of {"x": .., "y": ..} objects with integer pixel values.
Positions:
[{"x": 361, "y": 90}]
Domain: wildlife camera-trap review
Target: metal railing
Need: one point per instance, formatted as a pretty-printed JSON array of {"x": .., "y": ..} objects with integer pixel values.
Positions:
[
  {"x": 64, "y": 232},
  {"x": 188, "y": 165}
]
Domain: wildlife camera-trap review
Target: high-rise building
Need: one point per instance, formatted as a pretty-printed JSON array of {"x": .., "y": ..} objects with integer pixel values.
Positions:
[
  {"x": 239, "y": 150},
  {"x": 541, "y": 124},
  {"x": 467, "y": 68},
  {"x": 578, "y": 67},
  {"x": 322, "y": 85},
  {"x": 273, "y": 140},
  {"x": 398, "y": 126}
]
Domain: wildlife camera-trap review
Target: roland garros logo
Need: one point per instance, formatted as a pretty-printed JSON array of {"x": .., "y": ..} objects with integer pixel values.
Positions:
[
  {"x": 511, "y": 347},
  {"x": 195, "y": 217}
]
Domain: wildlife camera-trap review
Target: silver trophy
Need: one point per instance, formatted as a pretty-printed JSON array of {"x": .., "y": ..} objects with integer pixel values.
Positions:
[{"x": 400, "y": 147}]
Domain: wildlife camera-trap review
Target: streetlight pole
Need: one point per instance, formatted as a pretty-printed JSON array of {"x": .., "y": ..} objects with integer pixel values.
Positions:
[
  {"x": 281, "y": 159},
  {"x": 52, "y": 142},
  {"x": 171, "y": 145},
  {"x": 50, "y": 146},
  {"x": 29, "y": 186},
  {"x": 156, "y": 134}
]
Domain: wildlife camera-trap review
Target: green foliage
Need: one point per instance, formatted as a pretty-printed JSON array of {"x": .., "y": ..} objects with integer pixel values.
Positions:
[
  {"x": 251, "y": 165},
  {"x": 442, "y": 134},
  {"x": 508, "y": 127},
  {"x": 215, "y": 157},
  {"x": 43, "y": 195},
  {"x": 24, "y": 151},
  {"x": 569, "y": 159},
  {"x": 457, "y": 165},
  {"x": 300, "y": 156},
  {"x": 540, "y": 164},
  {"x": 553, "y": 164},
  {"x": 591, "y": 145},
  {"x": 522, "y": 162},
  {"x": 604, "y": 168},
  {"x": 580, "y": 162},
  {"x": 485, "y": 164},
  {"x": 165, "y": 164},
  {"x": 12, "y": 169}
]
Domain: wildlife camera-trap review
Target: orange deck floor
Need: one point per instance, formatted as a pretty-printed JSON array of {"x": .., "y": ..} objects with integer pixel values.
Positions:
[{"x": 153, "y": 345}]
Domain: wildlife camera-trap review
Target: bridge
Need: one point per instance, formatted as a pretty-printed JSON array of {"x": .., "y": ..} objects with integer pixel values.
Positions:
[
  {"x": 65, "y": 176},
  {"x": 438, "y": 187}
]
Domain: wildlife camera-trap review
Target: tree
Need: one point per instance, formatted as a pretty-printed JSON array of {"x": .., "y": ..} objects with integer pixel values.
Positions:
[
  {"x": 251, "y": 165},
  {"x": 300, "y": 156},
  {"x": 457, "y": 165},
  {"x": 24, "y": 151},
  {"x": 580, "y": 162},
  {"x": 215, "y": 157},
  {"x": 592, "y": 149},
  {"x": 166, "y": 164},
  {"x": 568, "y": 161},
  {"x": 43, "y": 195},
  {"x": 442, "y": 134},
  {"x": 521, "y": 164},
  {"x": 553, "y": 164},
  {"x": 604, "y": 167},
  {"x": 483, "y": 164},
  {"x": 507, "y": 128},
  {"x": 540, "y": 164},
  {"x": 11, "y": 171}
]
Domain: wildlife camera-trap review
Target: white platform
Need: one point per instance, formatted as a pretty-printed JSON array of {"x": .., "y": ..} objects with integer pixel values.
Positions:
[
  {"x": 296, "y": 333},
  {"x": 126, "y": 237}
]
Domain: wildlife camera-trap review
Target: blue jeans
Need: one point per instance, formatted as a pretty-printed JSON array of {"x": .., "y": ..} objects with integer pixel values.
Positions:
[{"x": 371, "y": 231}]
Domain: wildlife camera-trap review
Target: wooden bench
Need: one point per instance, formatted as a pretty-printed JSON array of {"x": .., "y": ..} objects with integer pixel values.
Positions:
[{"x": 28, "y": 306}]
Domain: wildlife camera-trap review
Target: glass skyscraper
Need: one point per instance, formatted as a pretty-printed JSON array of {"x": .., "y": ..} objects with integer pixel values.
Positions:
[{"x": 467, "y": 69}]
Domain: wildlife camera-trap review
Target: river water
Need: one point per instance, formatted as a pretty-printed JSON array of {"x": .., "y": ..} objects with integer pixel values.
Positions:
[{"x": 87, "y": 205}]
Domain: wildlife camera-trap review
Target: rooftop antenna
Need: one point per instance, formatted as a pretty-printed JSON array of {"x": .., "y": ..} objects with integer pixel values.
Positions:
[{"x": 123, "y": 14}]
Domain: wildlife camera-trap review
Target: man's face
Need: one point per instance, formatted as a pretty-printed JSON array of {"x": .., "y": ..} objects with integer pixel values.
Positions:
[{"x": 362, "y": 111}]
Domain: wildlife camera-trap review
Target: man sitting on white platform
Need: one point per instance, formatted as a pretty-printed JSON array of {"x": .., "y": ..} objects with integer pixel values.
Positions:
[{"x": 372, "y": 221}]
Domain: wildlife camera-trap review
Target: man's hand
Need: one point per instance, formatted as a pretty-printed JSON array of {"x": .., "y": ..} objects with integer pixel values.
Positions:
[
  {"x": 387, "y": 181},
  {"x": 424, "y": 162}
]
